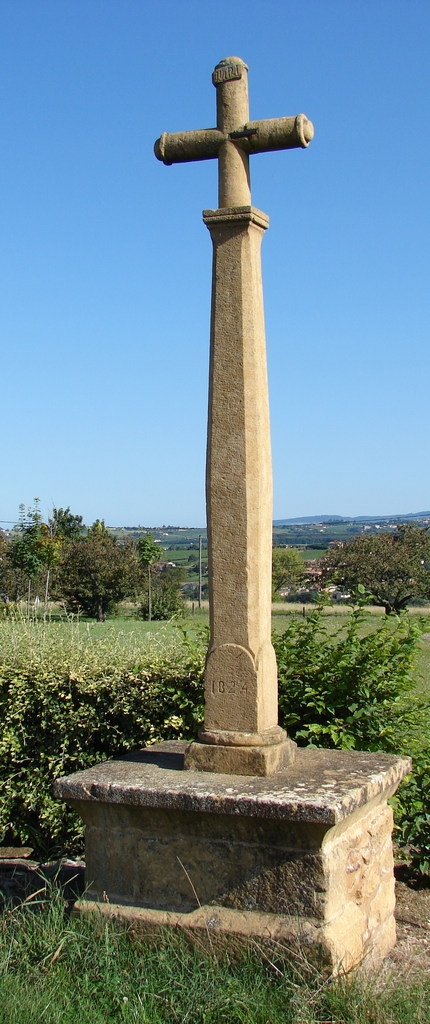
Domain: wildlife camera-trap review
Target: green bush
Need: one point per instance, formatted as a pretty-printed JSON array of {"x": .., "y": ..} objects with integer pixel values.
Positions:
[
  {"x": 412, "y": 813},
  {"x": 71, "y": 697},
  {"x": 67, "y": 702},
  {"x": 354, "y": 689}
]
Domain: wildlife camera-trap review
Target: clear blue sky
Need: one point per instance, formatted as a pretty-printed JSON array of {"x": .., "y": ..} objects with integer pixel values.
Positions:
[{"x": 105, "y": 263}]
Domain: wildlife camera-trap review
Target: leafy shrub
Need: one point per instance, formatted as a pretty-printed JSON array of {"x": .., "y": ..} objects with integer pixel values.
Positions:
[
  {"x": 354, "y": 690},
  {"x": 351, "y": 689},
  {"x": 68, "y": 701},
  {"x": 412, "y": 813}
]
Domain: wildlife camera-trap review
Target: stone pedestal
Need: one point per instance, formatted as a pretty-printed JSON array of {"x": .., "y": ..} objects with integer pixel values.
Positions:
[{"x": 303, "y": 856}]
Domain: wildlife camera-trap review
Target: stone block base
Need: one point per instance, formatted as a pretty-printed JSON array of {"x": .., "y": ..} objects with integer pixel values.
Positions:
[
  {"x": 230, "y": 760},
  {"x": 215, "y": 927},
  {"x": 304, "y": 855},
  {"x": 220, "y": 928}
]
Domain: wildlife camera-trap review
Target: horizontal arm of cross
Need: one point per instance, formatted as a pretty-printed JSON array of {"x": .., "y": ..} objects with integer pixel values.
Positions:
[
  {"x": 253, "y": 137},
  {"x": 179, "y": 147}
]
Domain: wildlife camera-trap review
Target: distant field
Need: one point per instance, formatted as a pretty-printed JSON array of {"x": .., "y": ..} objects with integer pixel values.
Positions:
[
  {"x": 315, "y": 535},
  {"x": 183, "y": 556},
  {"x": 309, "y": 553}
]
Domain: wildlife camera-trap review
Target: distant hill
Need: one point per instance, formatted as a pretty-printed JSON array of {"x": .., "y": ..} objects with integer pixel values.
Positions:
[{"x": 312, "y": 520}]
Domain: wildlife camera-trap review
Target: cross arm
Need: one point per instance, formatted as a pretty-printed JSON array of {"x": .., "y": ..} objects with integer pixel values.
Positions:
[
  {"x": 179, "y": 147},
  {"x": 274, "y": 133},
  {"x": 252, "y": 137}
]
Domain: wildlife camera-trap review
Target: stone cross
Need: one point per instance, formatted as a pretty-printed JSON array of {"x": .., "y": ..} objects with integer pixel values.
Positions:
[{"x": 241, "y": 733}]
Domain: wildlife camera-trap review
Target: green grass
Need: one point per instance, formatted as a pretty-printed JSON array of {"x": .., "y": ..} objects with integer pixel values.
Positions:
[
  {"x": 127, "y": 635},
  {"x": 56, "y": 970}
]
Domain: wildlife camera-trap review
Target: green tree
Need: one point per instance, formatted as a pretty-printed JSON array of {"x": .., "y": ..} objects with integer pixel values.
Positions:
[
  {"x": 287, "y": 569},
  {"x": 393, "y": 566},
  {"x": 27, "y": 553},
  {"x": 7, "y": 573},
  {"x": 96, "y": 572},
  {"x": 51, "y": 552},
  {"x": 62, "y": 523},
  {"x": 165, "y": 592},
  {"x": 148, "y": 554},
  {"x": 62, "y": 527}
]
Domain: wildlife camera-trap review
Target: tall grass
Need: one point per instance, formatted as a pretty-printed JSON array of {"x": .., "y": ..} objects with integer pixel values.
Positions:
[{"x": 56, "y": 970}]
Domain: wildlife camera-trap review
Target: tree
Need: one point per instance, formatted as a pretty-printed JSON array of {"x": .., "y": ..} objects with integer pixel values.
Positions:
[
  {"x": 165, "y": 590},
  {"x": 7, "y": 572},
  {"x": 27, "y": 554},
  {"x": 63, "y": 523},
  {"x": 148, "y": 554},
  {"x": 35, "y": 550},
  {"x": 61, "y": 528},
  {"x": 287, "y": 569},
  {"x": 393, "y": 566},
  {"x": 96, "y": 572}
]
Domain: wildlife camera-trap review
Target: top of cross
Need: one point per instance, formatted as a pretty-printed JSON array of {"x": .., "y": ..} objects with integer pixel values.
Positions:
[
  {"x": 235, "y": 136},
  {"x": 227, "y": 69}
]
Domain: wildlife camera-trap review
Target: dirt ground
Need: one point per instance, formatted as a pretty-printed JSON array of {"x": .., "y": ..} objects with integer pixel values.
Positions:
[{"x": 412, "y": 951}]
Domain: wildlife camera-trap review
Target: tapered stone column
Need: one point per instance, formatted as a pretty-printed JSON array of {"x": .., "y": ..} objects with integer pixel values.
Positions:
[{"x": 241, "y": 703}]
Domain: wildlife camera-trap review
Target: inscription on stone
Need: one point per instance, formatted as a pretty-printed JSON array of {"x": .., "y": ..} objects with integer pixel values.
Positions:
[
  {"x": 230, "y": 686},
  {"x": 226, "y": 74}
]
